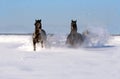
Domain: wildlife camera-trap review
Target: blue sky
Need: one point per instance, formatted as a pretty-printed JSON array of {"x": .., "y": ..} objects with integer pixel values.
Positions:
[{"x": 19, "y": 15}]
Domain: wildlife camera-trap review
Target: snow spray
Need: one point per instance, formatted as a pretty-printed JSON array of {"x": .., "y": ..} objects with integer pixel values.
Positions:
[{"x": 96, "y": 36}]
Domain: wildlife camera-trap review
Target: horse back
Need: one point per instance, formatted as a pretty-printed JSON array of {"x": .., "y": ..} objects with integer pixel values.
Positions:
[
  {"x": 43, "y": 34},
  {"x": 43, "y": 31},
  {"x": 80, "y": 37}
]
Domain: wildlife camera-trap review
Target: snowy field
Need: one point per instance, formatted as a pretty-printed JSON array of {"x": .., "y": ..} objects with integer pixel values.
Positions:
[{"x": 19, "y": 61}]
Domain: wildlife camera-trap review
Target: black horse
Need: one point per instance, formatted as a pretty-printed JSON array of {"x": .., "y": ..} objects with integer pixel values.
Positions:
[
  {"x": 74, "y": 39},
  {"x": 39, "y": 36}
]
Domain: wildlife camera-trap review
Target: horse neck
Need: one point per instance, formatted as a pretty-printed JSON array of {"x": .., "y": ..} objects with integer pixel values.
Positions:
[
  {"x": 37, "y": 31},
  {"x": 73, "y": 31}
]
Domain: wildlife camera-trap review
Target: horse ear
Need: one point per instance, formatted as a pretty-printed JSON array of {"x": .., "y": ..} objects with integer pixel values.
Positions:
[
  {"x": 71, "y": 20},
  {"x": 40, "y": 20},
  {"x": 35, "y": 20}
]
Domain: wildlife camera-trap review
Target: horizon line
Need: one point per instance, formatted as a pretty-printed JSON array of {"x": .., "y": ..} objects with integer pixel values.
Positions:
[{"x": 32, "y": 33}]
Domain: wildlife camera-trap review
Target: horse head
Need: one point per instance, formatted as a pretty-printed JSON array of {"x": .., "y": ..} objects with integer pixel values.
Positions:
[
  {"x": 73, "y": 26},
  {"x": 38, "y": 24}
]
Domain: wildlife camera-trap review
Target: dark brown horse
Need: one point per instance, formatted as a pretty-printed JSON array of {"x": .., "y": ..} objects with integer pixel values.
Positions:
[
  {"x": 74, "y": 39},
  {"x": 39, "y": 36}
]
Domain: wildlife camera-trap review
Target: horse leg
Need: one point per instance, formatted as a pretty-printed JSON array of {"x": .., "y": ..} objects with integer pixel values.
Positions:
[
  {"x": 42, "y": 44},
  {"x": 34, "y": 45}
]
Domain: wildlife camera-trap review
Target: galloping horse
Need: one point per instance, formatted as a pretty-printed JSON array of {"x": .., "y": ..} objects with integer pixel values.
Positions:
[
  {"x": 39, "y": 35},
  {"x": 74, "y": 39}
]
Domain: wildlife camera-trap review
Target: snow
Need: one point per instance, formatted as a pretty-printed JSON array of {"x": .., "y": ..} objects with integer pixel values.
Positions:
[{"x": 19, "y": 61}]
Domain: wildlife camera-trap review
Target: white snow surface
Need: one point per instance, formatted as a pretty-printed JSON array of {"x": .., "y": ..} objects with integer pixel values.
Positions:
[{"x": 19, "y": 61}]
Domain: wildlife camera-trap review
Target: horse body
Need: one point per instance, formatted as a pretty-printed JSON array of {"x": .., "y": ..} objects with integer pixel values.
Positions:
[
  {"x": 39, "y": 36},
  {"x": 74, "y": 38}
]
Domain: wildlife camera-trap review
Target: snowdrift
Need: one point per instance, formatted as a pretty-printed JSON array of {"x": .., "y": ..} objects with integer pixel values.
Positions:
[
  {"x": 19, "y": 61},
  {"x": 24, "y": 42}
]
